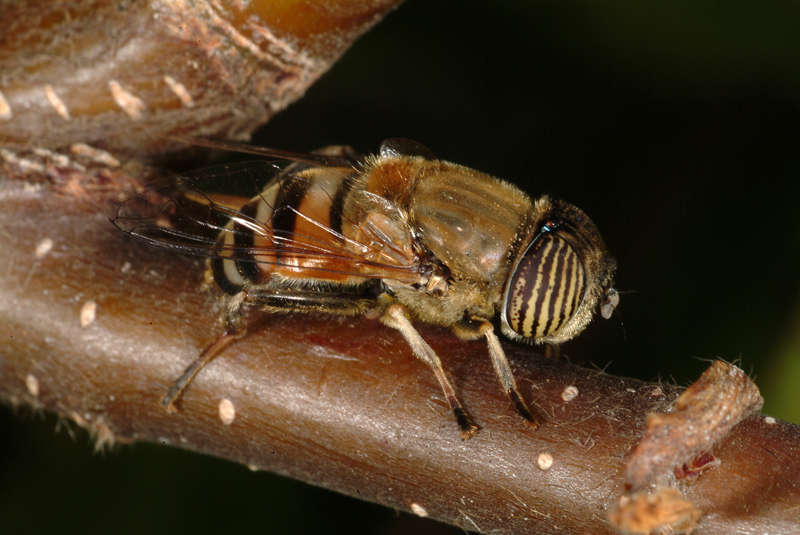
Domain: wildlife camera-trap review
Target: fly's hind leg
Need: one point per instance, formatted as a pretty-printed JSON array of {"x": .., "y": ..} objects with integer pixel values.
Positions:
[
  {"x": 234, "y": 328},
  {"x": 351, "y": 302},
  {"x": 395, "y": 317}
]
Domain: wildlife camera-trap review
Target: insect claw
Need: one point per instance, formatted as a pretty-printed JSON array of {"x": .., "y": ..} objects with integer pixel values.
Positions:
[
  {"x": 468, "y": 428},
  {"x": 532, "y": 424},
  {"x": 468, "y": 434},
  {"x": 169, "y": 400},
  {"x": 530, "y": 420}
]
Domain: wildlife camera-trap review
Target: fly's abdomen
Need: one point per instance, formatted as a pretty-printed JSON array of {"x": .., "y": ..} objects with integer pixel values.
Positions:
[{"x": 291, "y": 229}]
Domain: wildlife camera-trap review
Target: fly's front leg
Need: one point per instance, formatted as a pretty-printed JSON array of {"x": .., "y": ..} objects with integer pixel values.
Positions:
[
  {"x": 552, "y": 351},
  {"x": 470, "y": 331},
  {"x": 503, "y": 371},
  {"x": 395, "y": 317},
  {"x": 234, "y": 328}
]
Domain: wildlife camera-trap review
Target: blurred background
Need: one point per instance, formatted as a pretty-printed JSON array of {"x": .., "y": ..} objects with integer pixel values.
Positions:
[{"x": 675, "y": 127}]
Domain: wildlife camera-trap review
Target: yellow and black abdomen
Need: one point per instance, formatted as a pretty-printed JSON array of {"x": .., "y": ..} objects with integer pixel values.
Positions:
[{"x": 291, "y": 229}]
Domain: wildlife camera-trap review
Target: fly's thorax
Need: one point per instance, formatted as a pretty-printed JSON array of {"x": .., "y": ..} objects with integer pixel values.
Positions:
[
  {"x": 455, "y": 219},
  {"x": 561, "y": 271},
  {"x": 469, "y": 221}
]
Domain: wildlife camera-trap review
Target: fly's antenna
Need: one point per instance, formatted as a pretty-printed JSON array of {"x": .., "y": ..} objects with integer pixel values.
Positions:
[{"x": 609, "y": 306}]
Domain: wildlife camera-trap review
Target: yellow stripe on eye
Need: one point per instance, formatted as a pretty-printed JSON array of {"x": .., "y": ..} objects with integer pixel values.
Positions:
[
  {"x": 543, "y": 310},
  {"x": 530, "y": 315},
  {"x": 562, "y": 296}
]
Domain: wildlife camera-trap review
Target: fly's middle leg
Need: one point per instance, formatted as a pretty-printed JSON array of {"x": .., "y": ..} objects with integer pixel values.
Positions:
[{"x": 504, "y": 374}]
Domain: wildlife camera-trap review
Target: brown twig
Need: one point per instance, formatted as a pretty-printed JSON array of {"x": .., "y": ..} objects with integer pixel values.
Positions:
[{"x": 96, "y": 327}]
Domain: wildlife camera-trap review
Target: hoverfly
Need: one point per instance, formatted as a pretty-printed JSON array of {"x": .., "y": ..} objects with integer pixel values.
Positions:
[{"x": 400, "y": 235}]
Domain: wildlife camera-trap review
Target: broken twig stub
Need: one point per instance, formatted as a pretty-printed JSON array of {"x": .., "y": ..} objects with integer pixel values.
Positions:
[
  {"x": 664, "y": 511},
  {"x": 706, "y": 412},
  {"x": 677, "y": 445}
]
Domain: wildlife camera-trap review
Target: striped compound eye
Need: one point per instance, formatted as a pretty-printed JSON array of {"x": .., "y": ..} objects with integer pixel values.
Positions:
[{"x": 546, "y": 288}]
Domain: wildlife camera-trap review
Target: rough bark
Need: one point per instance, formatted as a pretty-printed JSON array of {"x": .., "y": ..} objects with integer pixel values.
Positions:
[{"x": 119, "y": 75}]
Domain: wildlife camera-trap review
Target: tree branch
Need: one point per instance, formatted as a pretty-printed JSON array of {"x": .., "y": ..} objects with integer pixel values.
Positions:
[
  {"x": 340, "y": 403},
  {"x": 122, "y": 75},
  {"x": 95, "y": 327}
]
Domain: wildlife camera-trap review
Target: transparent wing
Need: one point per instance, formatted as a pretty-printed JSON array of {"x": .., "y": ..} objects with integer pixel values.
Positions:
[
  {"x": 335, "y": 156},
  {"x": 192, "y": 213},
  {"x": 188, "y": 212}
]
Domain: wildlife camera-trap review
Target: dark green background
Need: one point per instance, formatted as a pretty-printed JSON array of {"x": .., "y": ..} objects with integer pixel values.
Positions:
[{"x": 675, "y": 127}]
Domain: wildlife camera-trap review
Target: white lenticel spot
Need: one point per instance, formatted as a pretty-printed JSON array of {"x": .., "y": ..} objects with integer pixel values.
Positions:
[
  {"x": 60, "y": 160},
  {"x": 227, "y": 412},
  {"x": 770, "y": 420},
  {"x": 132, "y": 105},
  {"x": 33, "y": 385},
  {"x": 569, "y": 393},
  {"x": 418, "y": 510},
  {"x": 545, "y": 461},
  {"x": 88, "y": 313},
  {"x": 43, "y": 247},
  {"x": 5, "y": 108},
  {"x": 180, "y": 91},
  {"x": 25, "y": 164},
  {"x": 56, "y": 102}
]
